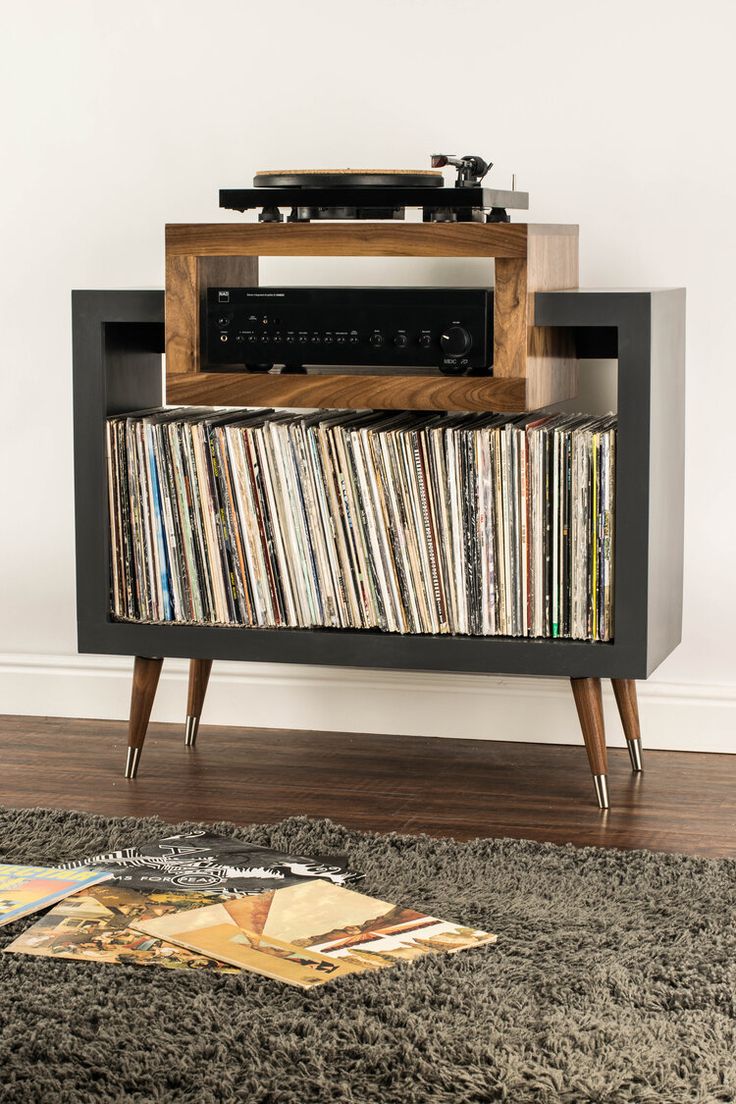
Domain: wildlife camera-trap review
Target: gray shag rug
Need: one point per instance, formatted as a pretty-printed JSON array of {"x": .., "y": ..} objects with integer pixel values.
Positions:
[{"x": 613, "y": 980}]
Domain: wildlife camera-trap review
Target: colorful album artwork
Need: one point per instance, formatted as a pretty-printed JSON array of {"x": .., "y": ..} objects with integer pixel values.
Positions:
[
  {"x": 311, "y": 933},
  {"x": 27, "y": 889},
  {"x": 93, "y": 926}
]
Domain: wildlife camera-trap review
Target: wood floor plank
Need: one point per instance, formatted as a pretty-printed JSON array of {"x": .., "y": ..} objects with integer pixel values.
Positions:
[{"x": 462, "y": 788}]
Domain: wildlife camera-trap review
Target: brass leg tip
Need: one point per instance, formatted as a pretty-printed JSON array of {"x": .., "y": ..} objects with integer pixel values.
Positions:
[
  {"x": 190, "y": 731},
  {"x": 634, "y": 747},
  {"x": 600, "y": 781},
  {"x": 132, "y": 761}
]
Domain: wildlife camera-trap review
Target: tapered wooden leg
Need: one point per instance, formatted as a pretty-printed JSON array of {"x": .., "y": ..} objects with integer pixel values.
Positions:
[
  {"x": 199, "y": 676},
  {"x": 146, "y": 672},
  {"x": 628, "y": 707},
  {"x": 589, "y": 703}
]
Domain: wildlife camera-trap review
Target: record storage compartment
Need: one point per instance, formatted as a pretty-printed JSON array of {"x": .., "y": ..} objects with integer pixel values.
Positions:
[{"x": 119, "y": 339}]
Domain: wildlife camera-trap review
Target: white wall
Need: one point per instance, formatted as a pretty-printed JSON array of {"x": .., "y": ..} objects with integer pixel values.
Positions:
[{"x": 119, "y": 118}]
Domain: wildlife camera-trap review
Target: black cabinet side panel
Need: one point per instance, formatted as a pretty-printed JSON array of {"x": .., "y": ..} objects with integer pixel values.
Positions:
[
  {"x": 666, "y": 475},
  {"x": 117, "y": 342}
]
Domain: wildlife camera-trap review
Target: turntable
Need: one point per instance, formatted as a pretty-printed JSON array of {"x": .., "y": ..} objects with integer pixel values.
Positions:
[
  {"x": 334, "y": 194},
  {"x": 232, "y": 339}
]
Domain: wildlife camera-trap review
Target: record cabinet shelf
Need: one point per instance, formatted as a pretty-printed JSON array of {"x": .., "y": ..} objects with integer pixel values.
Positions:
[{"x": 119, "y": 338}]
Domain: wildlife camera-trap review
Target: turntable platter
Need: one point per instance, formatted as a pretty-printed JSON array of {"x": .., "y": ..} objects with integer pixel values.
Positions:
[{"x": 348, "y": 178}]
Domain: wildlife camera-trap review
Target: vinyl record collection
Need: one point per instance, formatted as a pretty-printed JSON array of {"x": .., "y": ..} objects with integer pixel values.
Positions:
[{"x": 488, "y": 525}]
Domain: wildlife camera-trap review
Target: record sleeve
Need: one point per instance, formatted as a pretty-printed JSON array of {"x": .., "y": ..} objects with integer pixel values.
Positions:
[
  {"x": 309, "y": 934},
  {"x": 94, "y": 926},
  {"x": 202, "y": 862}
]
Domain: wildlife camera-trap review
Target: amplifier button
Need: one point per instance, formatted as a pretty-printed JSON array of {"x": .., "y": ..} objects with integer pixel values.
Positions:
[
  {"x": 425, "y": 340},
  {"x": 376, "y": 340},
  {"x": 354, "y": 339},
  {"x": 401, "y": 341}
]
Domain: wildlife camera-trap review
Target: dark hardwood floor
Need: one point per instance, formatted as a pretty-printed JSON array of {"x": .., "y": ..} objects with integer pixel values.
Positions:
[{"x": 462, "y": 788}]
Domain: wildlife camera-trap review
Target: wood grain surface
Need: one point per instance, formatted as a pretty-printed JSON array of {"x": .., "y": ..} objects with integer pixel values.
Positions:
[
  {"x": 199, "y": 676},
  {"x": 624, "y": 691},
  {"x": 181, "y": 309},
  {"x": 187, "y": 280},
  {"x": 551, "y": 366},
  {"x": 146, "y": 673},
  {"x": 510, "y": 318},
  {"x": 528, "y": 258},
  {"x": 348, "y": 239},
  {"x": 589, "y": 704},
  {"x": 349, "y": 392},
  {"x": 684, "y": 801}
]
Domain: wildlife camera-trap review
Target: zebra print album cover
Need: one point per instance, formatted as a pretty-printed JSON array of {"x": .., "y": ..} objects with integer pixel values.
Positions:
[{"x": 201, "y": 862}]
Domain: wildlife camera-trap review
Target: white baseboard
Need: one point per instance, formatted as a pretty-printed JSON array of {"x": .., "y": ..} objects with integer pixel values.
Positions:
[{"x": 680, "y": 717}]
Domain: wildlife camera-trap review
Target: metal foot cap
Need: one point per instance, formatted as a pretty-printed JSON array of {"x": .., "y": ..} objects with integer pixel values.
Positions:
[
  {"x": 600, "y": 781},
  {"x": 132, "y": 761},
  {"x": 634, "y": 747},
  {"x": 190, "y": 730}
]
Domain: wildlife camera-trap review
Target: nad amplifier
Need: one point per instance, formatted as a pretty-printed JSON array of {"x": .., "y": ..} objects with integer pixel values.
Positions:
[{"x": 255, "y": 328}]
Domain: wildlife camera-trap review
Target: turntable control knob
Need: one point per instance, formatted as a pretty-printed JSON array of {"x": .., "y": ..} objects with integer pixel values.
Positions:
[
  {"x": 401, "y": 341},
  {"x": 455, "y": 341},
  {"x": 376, "y": 340}
]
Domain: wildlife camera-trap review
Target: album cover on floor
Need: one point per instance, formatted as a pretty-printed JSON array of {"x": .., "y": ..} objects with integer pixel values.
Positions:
[
  {"x": 311, "y": 933},
  {"x": 93, "y": 926},
  {"x": 27, "y": 889},
  {"x": 203, "y": 862}
]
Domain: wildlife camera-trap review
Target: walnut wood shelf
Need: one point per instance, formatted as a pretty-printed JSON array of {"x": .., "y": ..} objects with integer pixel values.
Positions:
[
  {"x": 533, "y": 366},
  {"x": 351, "y": 239},
  {"x": 344, "y": 392}
]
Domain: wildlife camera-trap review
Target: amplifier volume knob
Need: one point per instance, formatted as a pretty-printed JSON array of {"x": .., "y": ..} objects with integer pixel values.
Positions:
[
  {"x": 455, "y": 341},
  {"x": 401, "y": 341},
  {"x": 376, "y": 340}
]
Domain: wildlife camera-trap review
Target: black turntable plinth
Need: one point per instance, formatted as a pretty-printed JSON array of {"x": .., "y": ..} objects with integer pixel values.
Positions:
[{"x": 335, "y": 194}]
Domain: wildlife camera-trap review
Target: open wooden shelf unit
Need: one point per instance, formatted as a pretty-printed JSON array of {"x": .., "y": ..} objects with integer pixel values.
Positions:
[{"x": 533, "y": 365}]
